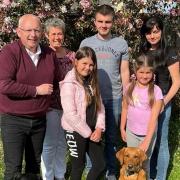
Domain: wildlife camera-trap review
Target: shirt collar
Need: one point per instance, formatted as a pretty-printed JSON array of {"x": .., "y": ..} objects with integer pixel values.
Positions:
[{"x": 38, "y": 52}]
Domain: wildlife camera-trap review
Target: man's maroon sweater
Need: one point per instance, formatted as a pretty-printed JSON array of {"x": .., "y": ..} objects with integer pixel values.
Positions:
[{"x": 19, "y": 78}]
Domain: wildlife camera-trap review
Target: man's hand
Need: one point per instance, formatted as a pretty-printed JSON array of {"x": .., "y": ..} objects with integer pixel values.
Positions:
[{"x": 44, "y": 89}]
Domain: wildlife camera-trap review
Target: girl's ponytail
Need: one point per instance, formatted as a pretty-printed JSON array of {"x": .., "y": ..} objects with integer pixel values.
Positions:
[
  {"x": 151, "y": 94},
  {"x": 129, "y": 91}
]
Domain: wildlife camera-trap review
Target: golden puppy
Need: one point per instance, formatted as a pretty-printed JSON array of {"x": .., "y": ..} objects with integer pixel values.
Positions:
[{"x": 131, "y": 159}]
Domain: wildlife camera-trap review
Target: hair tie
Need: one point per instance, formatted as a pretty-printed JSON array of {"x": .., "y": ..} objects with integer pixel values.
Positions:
[
  {"x": 133, "y": 77},
  {"x": 154, "y": 78}
]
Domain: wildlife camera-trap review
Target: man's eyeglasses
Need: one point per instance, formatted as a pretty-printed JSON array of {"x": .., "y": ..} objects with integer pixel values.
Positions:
[{"x": 37, "y": 31}]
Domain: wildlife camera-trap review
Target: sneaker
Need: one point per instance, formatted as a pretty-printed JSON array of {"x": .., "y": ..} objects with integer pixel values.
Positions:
[{"x": 111, "y": 177}]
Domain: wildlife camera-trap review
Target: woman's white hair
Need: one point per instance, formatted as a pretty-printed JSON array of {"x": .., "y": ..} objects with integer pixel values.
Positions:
[{"x": 54, "y": 22}]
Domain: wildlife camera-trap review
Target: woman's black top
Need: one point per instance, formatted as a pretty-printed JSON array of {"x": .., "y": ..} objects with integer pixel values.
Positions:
[{"x": 162, "y": 75}]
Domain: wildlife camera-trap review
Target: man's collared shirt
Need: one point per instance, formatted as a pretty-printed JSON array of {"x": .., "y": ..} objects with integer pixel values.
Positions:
[{"x": 34, "y": 56}]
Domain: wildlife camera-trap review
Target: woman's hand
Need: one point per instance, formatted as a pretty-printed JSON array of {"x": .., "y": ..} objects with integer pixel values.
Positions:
[
  {"x": 162, "y": 107},
  {"x": 96, "y": 135}
]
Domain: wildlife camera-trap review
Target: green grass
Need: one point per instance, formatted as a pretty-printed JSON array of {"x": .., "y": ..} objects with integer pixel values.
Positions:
[
  {"x": 174, "y": 143},
  {"x": 1, "y": 162}
]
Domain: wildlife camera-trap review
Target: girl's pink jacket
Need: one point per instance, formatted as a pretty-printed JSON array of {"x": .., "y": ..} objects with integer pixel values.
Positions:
[{"x": 74, "y": 107}]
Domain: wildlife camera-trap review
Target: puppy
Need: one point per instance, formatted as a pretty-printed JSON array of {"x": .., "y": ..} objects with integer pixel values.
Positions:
[{"x": 131, "y": 159}]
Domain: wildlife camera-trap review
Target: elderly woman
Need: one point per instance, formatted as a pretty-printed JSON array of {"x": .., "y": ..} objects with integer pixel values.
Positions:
[{"x": 53, "y": 163}]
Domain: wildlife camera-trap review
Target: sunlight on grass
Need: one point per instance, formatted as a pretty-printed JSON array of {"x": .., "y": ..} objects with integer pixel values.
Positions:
[{"x": 174, "y": 144}]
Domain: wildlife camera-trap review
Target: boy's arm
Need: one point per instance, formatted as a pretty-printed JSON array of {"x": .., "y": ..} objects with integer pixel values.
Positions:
[{"x": 124, "y": 69}]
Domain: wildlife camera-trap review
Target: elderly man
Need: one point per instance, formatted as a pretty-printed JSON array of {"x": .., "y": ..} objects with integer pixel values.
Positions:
[{"x": 27, "y": 72}]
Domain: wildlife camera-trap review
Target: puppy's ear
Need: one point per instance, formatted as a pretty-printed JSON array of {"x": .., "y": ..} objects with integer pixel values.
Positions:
[
  {"x": 120, "y": 155},
  {"x": 143, "y": 155}
]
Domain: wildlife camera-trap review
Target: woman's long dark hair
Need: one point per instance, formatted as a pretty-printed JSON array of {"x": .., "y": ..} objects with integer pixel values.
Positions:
[
  {"x": 161, "y": 51},
  {"x": 92, "y": 79}
]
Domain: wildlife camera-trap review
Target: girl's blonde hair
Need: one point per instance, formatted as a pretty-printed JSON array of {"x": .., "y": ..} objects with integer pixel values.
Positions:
[
  {"x": 143, "y": 60},
  {"x": 92, "y": 79}
]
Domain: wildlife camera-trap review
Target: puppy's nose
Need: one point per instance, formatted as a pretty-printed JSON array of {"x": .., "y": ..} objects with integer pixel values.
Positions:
[{"x": 130, "y": 166}]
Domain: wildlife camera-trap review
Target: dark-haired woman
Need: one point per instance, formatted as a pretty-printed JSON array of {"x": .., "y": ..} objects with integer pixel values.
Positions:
[{"x": 168, "y": 79}]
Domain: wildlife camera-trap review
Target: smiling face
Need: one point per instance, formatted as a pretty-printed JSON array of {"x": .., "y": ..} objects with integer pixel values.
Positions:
[
  {"x": 55, "y": 37},
  {"x": 144, "y": 75},
  {"x": 84, "y": 66},
  {"x": 154, "y": 36},
  {"x": 29, "y": 31},
  {"x": 103, "y": 24}
]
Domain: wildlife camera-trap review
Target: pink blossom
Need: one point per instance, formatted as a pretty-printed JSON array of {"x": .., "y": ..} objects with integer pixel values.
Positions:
[
  {"x": 86, "y": 4},
  {"x": 173, "y": 12},
  {"x": 139, "y": 23},
  {"x": 130, "y": 26},
  {"x": 140, "y": 2},
  {"x": 7, "y": 2}
]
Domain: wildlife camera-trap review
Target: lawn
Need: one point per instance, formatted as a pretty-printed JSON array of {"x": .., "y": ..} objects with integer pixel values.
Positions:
[{"x": 174, "y": 142}]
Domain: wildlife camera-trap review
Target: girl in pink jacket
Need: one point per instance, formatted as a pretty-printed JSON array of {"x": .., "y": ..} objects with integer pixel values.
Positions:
[{"x": 83, "y": 115}]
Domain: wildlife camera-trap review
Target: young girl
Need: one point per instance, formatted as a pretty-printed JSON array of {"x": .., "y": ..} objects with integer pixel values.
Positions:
[
  {"x": 166, "y": 61},
  {"x": 83, "y": 115},
  {"x": 141, "y": 106}
]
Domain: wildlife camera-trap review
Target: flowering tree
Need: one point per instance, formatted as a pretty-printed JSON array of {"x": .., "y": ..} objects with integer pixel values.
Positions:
[{"x": 78, "y": 16}]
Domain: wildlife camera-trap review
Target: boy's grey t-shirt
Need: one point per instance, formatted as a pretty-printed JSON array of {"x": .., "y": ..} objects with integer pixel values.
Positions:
[{"x": 109, "y": 55}]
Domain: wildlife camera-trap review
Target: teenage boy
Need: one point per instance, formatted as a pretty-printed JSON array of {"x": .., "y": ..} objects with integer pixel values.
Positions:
[{"x": 113, "y": 74}]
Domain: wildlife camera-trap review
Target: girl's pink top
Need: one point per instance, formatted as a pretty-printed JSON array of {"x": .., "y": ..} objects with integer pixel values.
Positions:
[
  {"x": 139, "y": 112},
  {"x": 74, "y": 107}
]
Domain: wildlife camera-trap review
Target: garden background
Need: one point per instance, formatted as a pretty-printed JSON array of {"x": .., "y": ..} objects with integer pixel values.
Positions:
[{"x": 78, "y": 16}]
